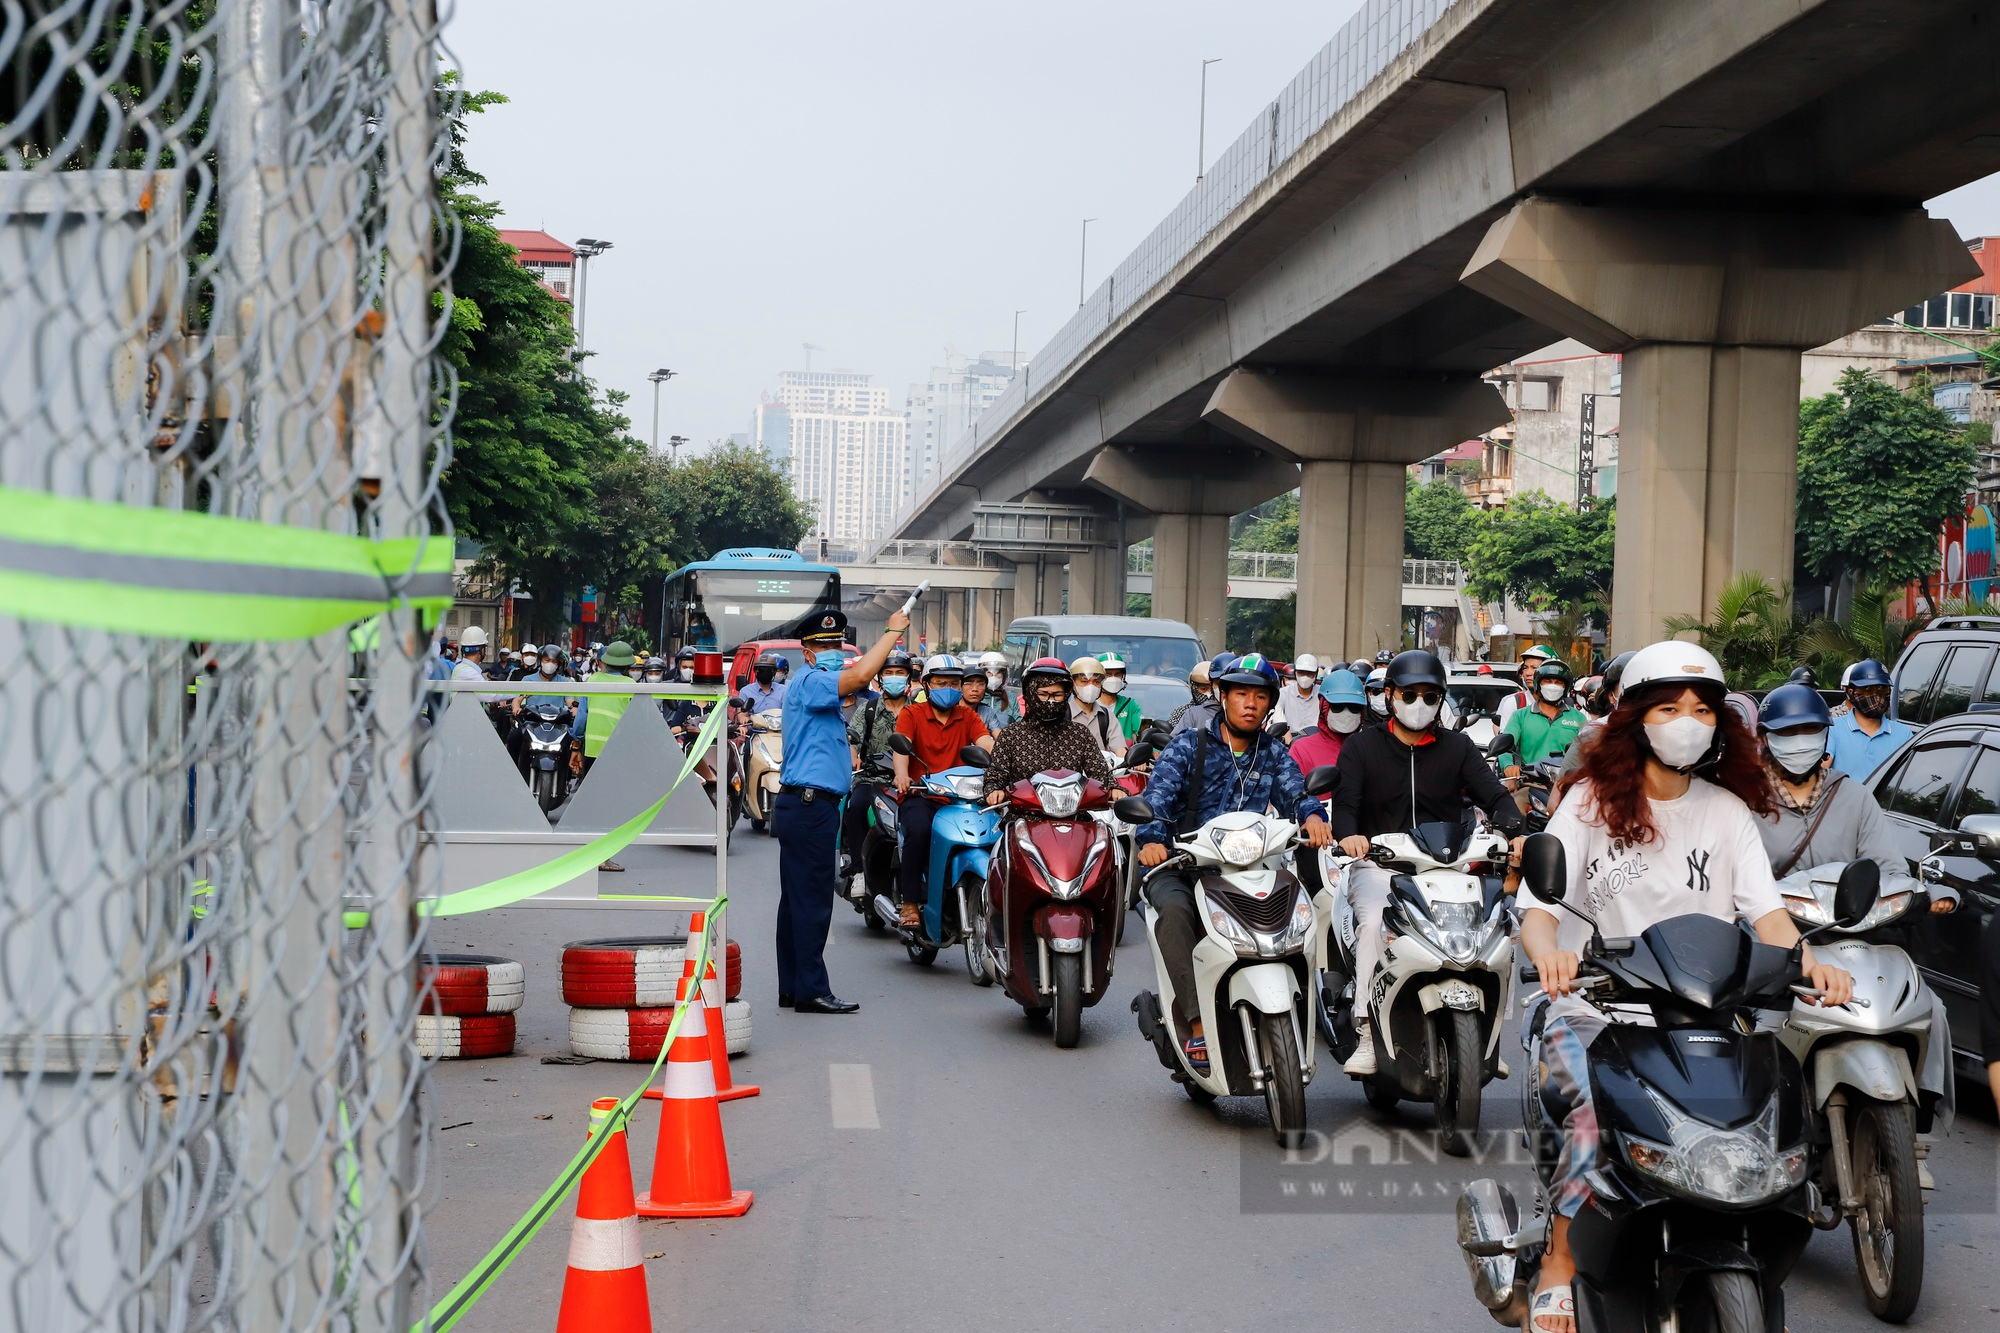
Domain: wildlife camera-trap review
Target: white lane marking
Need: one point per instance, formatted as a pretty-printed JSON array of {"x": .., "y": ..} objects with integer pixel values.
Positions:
[{"x": 853, "y": 1097}]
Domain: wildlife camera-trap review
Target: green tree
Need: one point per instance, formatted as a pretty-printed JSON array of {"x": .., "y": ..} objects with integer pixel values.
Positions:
[
  {"x": 1880, "y": 472},
  {"x": 735, "y": 496},
  {"x": 1439, "y": 523},
  {"x": 1271, "y": 526},
  {"x": 1538, "y": 550},
  {"x": 1755, "y": 632}
]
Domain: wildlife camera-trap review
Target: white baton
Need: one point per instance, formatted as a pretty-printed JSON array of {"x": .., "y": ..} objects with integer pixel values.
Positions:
[{"x": 922, "y": 588}]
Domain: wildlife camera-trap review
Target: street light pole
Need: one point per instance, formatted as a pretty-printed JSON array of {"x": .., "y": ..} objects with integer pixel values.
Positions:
[
  {"x": 674, "y": 442},
  {"x": 658, "y": 377},
  {"x": 1201, "y": 135},
  {"x": 1015, "y": 364},
  {"x": 587, "y": 249},
  {"x": 1083, "y": 254}
]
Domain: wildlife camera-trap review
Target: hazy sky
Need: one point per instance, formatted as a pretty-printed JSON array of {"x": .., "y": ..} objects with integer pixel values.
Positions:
[{"x": 880, "y": 179}]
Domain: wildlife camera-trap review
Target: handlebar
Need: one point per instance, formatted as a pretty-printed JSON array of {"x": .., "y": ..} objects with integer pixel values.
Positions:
[{"x": 1808, "y": 993}]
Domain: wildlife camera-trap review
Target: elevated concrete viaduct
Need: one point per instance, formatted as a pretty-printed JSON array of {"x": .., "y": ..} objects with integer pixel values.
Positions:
[{"x": 1707, "y": 185}]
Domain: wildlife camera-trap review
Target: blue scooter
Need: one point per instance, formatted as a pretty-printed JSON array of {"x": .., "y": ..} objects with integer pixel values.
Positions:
[{"x": 962, "y": 836}]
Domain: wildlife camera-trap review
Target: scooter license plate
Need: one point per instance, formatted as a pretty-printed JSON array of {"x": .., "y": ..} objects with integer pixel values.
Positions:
[{"x": 1458, "y": 995}]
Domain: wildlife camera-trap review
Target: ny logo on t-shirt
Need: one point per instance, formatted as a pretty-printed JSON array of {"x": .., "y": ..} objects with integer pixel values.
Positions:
[{"x": 1698, "y": 872}]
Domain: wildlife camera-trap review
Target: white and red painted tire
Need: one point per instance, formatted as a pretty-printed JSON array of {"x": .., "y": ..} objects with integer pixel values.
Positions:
[
  {"x": 733, "y": 972},
  {"x": 736, "y": 1026},
  {"x": 472, "y": 983},
  {"x": 619, "y": 1034},
  {"x": 640, "y": 972},
  {"x": 464, "y": 1037}
]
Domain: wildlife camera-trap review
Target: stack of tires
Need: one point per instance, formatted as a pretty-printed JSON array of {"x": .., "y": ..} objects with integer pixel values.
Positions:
[
  {"x": 621, "y": 995},
  {"x": 468, "y": 1004}
]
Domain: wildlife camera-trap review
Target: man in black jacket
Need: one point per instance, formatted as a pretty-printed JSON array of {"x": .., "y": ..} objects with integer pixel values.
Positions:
[{"x": 1393, "y": 778}]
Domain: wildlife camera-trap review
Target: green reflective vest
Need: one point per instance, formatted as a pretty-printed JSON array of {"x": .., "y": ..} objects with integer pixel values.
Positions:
[{"x": 603, "y": 713}]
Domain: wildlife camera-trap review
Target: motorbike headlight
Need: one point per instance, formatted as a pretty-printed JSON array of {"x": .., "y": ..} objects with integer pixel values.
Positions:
[
  {"x": 1887, "y": 908},
  {"x": 969, "y": 787},
  {"x": 1454, "y": 929},
  {"x": 1740, "y": 1166},
  {"x": 1240, "y": 847},
  {"x": 1807, "y": 909},
  {"x": 1299, "y": 928},
  {"x": 1229, "y": 928},
  {"x": 1060, "y": 799}
]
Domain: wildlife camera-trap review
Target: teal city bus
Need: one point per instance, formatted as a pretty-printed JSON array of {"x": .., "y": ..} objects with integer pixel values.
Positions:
[{"x": 744, "y": 594}]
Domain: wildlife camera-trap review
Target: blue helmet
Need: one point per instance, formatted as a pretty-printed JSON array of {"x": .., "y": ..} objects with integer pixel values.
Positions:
[
  {"x": 1793, "y": 705},
  {"x": 1342, "y": 686},
  {"x": 1220, "y": 663},
  {"x": 1250, "y": 669},
  {"x": 1867, "y": 673}
]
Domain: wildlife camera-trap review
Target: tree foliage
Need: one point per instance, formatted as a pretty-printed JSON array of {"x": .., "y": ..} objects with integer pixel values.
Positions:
[
  {"x": 1439, "y": 523},
  {"x": 1880, "y": 472},
  {"x": 1755, "y": 632},
  {"x": 1271, "y": 526},
  {"x": 1538, "y": 550}
]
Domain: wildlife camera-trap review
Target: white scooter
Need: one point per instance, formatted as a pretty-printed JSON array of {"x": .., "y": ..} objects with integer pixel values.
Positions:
[
  {"x": 763, "y": 759},
  {"x": 1877, "y": 1070},
  {"x": 1252, "y": 965},
  {"x": 1446, "y": 977}
]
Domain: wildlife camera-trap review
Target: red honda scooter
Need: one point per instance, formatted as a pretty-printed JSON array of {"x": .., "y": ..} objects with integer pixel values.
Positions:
[{"x": 1052, "y": 900}]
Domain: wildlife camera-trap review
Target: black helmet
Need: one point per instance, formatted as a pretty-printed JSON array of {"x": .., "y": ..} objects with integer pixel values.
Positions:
[
  {"x": 685, "y": 655},
  {"x": 1805, "y": 676},
  {"x": 656, "y": 664},
  {"x": 1384, "y": 657},
  {"x": 1614, "y": 670},
  {"x": 1553, "y": 669},
  {"x": 897, "y": 658},
  {"x": 1867, "y": 674},
  {"x": 1415, "y": 667}
]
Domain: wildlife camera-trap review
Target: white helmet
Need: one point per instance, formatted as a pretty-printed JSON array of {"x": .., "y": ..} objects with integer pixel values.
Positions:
[
  {"x": 942, "y": 664},
  {"x": 474, "y": 637},
  {"x": 1379, "y": 676},
  {"x": 992, "y": 662},
  {"x": 1670, "y": 662},
  {"x": 1306, "y": 662}
]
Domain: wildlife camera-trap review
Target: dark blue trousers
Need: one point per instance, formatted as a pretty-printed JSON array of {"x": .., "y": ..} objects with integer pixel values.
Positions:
[
  {"x": 917, "y": 814},
  {"x": 808, "y": 843}
]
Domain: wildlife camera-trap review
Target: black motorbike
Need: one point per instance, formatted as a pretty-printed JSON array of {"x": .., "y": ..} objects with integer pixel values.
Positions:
[
  {"x": 543, "y": 746},
  {"x": 1701, "y": 1202},
  {"x": 874, "y": 865}
]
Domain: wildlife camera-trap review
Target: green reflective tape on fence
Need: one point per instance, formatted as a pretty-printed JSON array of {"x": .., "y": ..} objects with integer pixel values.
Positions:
[
  {"x": 497, "y": 1260},
  {"x": 561, "y": 870},
  {"x": 182, "y": 574}
]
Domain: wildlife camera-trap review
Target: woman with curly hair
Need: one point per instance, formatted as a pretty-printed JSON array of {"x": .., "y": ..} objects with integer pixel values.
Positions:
[{"x": 1659, "y": 823}]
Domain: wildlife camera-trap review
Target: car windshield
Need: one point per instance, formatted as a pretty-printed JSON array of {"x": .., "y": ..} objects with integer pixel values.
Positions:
[
  {"x": 1477, "y": 696},
  {"x": 1144, "y": 654},
  {"x": 1158, "y": 696}
]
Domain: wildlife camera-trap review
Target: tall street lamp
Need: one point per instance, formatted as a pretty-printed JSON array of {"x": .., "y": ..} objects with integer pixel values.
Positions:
[
  {"x": 1082, "y": 258},
  {"x": 1015, "y": 364},
  {"x": 674, "y": 442},
  {"x": 1201, "y": 135},
  {"x": 658, "y": 377},
  {"x": 587, "y": 249}
]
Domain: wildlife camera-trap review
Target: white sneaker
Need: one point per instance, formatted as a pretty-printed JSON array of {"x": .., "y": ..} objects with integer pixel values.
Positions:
[{"x": 1363, "y": 1059}]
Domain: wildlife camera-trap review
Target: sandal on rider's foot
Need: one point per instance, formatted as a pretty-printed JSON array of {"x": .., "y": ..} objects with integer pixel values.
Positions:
[
  {"x": 1552, "y": 1303},
  {"x": 911, "y": 917},
  {"x": 1197, "y": 1053}
]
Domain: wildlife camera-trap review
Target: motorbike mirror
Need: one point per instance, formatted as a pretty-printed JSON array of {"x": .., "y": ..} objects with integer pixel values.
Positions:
[
  {"x": 1133, "y": 810},
  {"x": 1322, "y": 780},
  {"x": 738, "y": 701},
  {"x": 1545, "y": 866},
  {"x": 1157, "y": 737},
  {"x": 1141, "y": 753},
  {"x": 901, "y": 744},
  {"x": 1854, "y": 896},
  {"x": 1979, "y": 835},
  {"x": 975, "y": 755},
  {"x": 1502, "y": 743}
]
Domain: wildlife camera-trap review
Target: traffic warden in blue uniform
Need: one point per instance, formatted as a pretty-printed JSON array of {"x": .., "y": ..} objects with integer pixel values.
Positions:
[{"x": 817, "y": 772}]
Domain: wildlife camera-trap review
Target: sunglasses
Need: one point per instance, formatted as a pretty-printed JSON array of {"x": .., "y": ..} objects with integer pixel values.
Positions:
[
  {"x": 1428, "y": 694},
  {"x": 1343, "y": 708}
]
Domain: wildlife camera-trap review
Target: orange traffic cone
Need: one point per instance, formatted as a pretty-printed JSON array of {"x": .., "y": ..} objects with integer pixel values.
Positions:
[
  {"x": 691, "y": 1162},
  {"x": 605, "y": 1287},
  {"x": 726, "y": 1089}
]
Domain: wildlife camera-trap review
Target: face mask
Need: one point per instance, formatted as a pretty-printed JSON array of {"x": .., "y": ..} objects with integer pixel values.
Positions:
[
  {"x": 994, "y": 682},
  {"x": 833, "y": 660},
  {"x": 1200, "y": 693},
  {"x": 1341, "y": 724},
  {"x": 945, "y": 696},
  {"x": 548, "y": 668},
  {"x": 1554, "y": 691},
  {"x": 766, "y": 675},
  {"x": 1416, "y": 716},
  {"x": 1681, "y": 743},
  {"x": 1306, "y": 684},
  {"x": 1869, "y": 707},
  {"x": 656, "y": 677},
  {"x": 894, "y": 686},
  {"x": 1378, "y": 704},
  {"x": 1114, "y": 684},
  {"x": 639, "y": 674},
  {"x": 1087, "y": 694},
  {"x": 1797, "y": 755},
  {"x": 687, "y": 674},
  {"x": 1047, "y": 710}
]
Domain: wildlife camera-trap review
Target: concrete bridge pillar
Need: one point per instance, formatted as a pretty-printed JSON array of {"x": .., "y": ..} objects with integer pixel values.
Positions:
[
  {"x": 1192, "y": 494},
  {"x": 1711, "y": 310},
  {"x": 1353, "y": 440},
  {"x": 1097, "y": 581}
]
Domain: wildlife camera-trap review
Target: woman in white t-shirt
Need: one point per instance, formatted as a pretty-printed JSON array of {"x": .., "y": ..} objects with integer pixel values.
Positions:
[{"x": 1659, "y": 823}]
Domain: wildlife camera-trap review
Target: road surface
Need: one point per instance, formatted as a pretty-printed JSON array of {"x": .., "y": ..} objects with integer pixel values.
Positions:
[{"x": 934, "y": 1161}]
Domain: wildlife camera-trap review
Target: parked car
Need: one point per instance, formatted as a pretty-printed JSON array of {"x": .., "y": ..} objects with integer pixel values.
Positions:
[
  {"x": 1947, "y": 669},
  {"x": 1158, "y": 696},
  {"x": 742, "y": 664},
  {"x": 1150, "y": 647},
  {"x": 1944, "y": 775}
]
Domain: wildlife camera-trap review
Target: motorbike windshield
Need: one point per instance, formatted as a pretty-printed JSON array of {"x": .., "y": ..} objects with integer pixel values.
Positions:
[
  {"x": 1713, "y": 964},
  {"x": 1444, "y": 842}
]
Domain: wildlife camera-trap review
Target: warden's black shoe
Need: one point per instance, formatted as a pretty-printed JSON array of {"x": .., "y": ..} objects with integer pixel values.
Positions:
[
  {"x": 825, "y": 1004},
  {"x": 784, "y": 1001}
]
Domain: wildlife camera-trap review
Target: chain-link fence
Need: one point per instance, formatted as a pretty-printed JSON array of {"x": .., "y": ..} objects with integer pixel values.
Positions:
[{"x": 221, "y": 288}]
